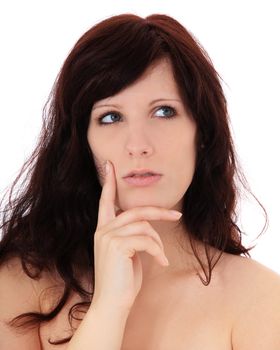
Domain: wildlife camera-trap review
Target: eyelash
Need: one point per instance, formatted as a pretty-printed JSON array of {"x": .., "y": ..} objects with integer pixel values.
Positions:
[{"x": 116, "y": 113}]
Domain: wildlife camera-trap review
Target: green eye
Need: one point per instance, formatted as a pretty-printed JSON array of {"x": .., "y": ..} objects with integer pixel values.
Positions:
[{"x": 170, "y": 111}]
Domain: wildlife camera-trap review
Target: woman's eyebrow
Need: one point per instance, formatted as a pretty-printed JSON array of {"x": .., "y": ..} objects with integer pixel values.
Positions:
[{"x": 151, "y": 103}]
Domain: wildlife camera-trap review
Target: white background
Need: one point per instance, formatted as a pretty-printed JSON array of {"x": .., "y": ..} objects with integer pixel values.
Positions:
[{"x": 242, "y": 39}]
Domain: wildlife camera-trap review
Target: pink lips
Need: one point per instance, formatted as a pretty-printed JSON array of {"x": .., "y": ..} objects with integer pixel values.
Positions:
[
  {"x": 141, "y": 172},
  {"x": 142, "y": 180}
]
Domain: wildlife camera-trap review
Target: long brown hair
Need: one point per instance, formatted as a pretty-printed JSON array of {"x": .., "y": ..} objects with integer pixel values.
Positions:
[{"x": 50, "y": 225}]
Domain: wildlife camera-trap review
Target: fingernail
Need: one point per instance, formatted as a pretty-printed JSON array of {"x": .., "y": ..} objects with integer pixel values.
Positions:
[
  {"x": 175, "y": 213},
  {"x": 107, "y": 167}
]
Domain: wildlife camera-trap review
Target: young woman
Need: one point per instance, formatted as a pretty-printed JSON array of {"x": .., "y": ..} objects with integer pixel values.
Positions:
[{"x": 83, "y": 253}]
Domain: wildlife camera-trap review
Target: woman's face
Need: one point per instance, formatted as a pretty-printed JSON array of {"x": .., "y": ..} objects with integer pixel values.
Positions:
[{"x": 138, "y": 133}]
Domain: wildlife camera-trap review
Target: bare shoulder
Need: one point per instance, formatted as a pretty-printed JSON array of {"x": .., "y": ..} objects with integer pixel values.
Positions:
[
  {"x": 255, "y": 294},
  {"x": 249, "y": 270},
  {"x": 15, "y": 285},
  {"x": 18, "y": 294}
]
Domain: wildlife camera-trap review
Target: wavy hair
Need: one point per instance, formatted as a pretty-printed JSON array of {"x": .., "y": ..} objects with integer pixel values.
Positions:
[{"x": 51, "y": 223}]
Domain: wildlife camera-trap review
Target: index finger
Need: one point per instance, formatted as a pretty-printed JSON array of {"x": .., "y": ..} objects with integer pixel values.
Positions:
[{"x": 107, "y": 211}]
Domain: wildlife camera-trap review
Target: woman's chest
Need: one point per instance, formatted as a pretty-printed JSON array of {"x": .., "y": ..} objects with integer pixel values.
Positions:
[
  {"x": 192, "y": 320},
  {"x": 184, "y": 315},
  {"x": 178, "y": 324},
  {"x": 188, "y": 327}
]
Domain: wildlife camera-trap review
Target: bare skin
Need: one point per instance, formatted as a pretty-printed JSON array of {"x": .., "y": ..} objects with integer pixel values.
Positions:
[
  {"x": 173, "y": 310},
  {"x": 181, "y": 313},
  {"x": 239, "y": 308}
]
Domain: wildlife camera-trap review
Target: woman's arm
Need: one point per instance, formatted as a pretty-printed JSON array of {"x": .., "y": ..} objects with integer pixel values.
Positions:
[{"x": 102, "y": 329}]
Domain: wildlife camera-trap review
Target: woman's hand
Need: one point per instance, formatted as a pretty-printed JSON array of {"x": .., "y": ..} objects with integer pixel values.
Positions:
[{"x": 118, "y": 268}]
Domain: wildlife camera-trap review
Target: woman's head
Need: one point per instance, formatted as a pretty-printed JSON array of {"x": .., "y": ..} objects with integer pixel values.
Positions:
[
  {"x": 123, "y": 57},
  {"x": 113, "y": 61},
  {"x": 117, "y": 57}
]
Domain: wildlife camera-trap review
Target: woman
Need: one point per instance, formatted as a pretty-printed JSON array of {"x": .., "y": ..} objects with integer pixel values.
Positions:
[{"x": 92, "y": 246}]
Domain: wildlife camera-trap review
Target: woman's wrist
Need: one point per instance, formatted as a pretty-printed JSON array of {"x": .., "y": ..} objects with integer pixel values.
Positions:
[{"x": 111, "y": 309}]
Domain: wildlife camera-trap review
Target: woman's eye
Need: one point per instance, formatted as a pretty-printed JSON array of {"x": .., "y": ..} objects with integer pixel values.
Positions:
[
  {"x": 168, "y": 112},
  {"x": 168, "y": 108},
  {"x": 106, "y": 115}
]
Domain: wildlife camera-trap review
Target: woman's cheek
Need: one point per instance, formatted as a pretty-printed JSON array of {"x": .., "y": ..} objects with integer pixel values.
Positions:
[{"x": 100, "y": 169}]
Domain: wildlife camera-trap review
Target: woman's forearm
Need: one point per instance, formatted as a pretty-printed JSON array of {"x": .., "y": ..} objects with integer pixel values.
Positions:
[{"x": 101, "y": 329}]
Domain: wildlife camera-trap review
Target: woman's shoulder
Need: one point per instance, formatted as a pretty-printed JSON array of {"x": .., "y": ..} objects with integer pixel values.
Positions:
[
  {"x": 249, "y": 272},
  {"x": 246, "y": 279},
  {"x": 22, "y": 291},
  {"x": 12, "y": 274},
  {"x": 18, "y": 294},
  {"x": 16, "y": 285},
  {"x": 254, "y": 291}
]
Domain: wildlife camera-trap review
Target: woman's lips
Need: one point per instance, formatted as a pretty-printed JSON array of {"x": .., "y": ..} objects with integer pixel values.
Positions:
[{"x": 141, "y": 181}]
